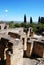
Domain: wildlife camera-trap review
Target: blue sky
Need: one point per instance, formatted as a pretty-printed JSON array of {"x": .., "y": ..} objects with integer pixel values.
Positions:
[{"x": 15, "y": 9}]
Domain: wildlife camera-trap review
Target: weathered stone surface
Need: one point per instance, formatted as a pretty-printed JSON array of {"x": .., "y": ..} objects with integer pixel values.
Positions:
[
  {"x": 27, "y": 61},
  {"x": 17, "y": 56}
]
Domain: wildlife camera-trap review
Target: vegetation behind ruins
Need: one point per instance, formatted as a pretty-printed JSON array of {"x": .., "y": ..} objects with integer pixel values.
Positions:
[{"x": 38, "y": 27}]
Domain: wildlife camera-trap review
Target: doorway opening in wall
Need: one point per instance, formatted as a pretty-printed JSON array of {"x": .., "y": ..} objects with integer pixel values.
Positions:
[
  {"x": 0, "y": 27},
  {"x": 24, "y": 54},
  {"x": 5, "y": 27},
  {"x": 23, "y": 40}
]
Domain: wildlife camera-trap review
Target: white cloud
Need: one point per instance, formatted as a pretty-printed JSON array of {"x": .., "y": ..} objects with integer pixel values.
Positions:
[{"x": 6, "y": 10}]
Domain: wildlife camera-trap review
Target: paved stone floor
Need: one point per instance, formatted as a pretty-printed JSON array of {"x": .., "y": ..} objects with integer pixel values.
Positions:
[{"x": 27, "y": 61}]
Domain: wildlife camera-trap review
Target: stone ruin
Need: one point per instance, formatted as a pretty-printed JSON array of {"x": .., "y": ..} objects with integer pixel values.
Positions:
[{"x": 13, "y": 47}]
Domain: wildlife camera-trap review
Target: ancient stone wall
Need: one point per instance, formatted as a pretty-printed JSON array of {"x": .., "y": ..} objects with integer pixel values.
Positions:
[
  {"x": 28, "y": 50},
  {"x": 1, "y": 51},
  {"x": 8, "y": 62},
  {"x": 17, "y": 56},
  {"x": 14, "y": 35},
  {"x": 38, "y": 49}
]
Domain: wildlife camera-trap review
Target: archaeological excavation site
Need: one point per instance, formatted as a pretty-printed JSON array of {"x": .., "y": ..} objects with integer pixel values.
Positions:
[{"x": 20, "y": 46}]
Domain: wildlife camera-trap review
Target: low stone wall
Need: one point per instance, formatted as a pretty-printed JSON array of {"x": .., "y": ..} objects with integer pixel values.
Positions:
[
  {"x": 28, "y": 49},
  {"x": 8, "y": 59},
  {"x": 14, "y": 35},
  {"x": 1, "y": 53},
  {"x": 2, "y": 47}
]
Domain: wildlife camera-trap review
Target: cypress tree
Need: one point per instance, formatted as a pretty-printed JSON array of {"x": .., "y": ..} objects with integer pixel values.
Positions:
[
  {"x": 31, "y": 20},
  {"x": 42, "y": 20},
  {"x": 25, "y": 18},
  {"x": 39, "y": 19}
]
